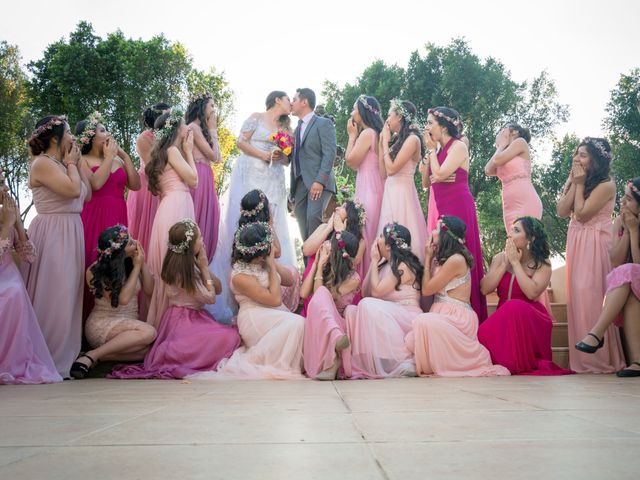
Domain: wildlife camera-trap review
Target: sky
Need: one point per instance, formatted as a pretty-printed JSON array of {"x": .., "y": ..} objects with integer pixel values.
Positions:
[{"x": 263, "y": 46}]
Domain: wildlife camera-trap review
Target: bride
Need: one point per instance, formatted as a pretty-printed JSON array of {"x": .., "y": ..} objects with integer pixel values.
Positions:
[{"x": 258, "y": 167}]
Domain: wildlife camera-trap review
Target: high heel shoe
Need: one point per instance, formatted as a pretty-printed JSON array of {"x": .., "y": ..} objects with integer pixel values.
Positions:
[
  {"x": 79, "y": 370},
  {"x": 586, "y": 348}
]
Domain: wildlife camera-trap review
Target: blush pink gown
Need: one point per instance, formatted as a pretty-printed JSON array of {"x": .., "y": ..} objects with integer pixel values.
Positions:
[
  {"x": 519, "y": 197},
  {"x": 627, "y": 273}
]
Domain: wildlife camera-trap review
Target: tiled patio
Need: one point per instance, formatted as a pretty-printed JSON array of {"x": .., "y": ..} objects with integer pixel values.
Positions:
[{"x": 585, "y": 426}]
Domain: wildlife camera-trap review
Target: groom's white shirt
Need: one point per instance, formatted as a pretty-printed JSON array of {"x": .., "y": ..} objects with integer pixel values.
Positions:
[{"x": 305, "y": 122}]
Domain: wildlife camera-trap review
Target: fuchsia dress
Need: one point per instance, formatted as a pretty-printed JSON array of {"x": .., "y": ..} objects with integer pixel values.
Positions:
[
  {"x": 518, "y": 334},
  {"x": 455, "y": 199},
  {"x": 519, "y": 197},
  {"x": 24, "y": 356}
]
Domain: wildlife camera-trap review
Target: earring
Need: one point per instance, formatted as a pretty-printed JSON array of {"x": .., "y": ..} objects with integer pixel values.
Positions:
[{"x": 528, "y": 244}]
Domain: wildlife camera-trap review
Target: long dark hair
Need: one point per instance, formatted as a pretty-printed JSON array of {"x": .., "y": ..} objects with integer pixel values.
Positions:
[
  {"x": 40, "y": 141},
  {"x": 522, "y": 132},
  {"x": 449, "y": 119},
  {"x": 159, "y": 156},
  {"x": 196, "y": 109},
  {"x": 151, "y": 114},
  {"x": 452, "y": 234},
  {"x": 599, "y": 169},
  {"x": 353, "y": 219},
  {"x": 406, "y": 129},
  {"x": 340, "y": 267},
  {"x": 254, "y": 207},
  {"x": 370, "y": 113},
  {"x": 179, "y": 268},
  {"x": 113, "y": 267},
  {"x": 537, "y": 237},
  {"x": 398, "y": 238},
  {"x": 284, "y": 122},
  {"x": 250, "y": 235}
]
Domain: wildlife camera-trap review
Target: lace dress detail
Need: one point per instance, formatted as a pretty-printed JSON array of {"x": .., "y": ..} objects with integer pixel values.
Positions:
[{"x": 442, "y": 295}]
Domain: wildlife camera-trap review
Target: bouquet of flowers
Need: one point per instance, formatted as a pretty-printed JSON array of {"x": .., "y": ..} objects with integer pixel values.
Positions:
[{"x": 283, "y": 141}]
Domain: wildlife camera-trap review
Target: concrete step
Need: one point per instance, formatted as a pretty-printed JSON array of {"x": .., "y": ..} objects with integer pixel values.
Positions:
[
  {"x": 559, "y": 335},
  {"x": 560, "y": 356}
]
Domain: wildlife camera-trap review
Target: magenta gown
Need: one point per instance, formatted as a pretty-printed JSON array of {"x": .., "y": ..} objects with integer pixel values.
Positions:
[
  {"x": 518, "y": 334},
  {"x": 24, "y": 356},
  {"x": 205, "y": 200},
  {"x": 106, "y": 208},
  {"x": 455, "y": 199},
  {"x": 189, "y": 339}
]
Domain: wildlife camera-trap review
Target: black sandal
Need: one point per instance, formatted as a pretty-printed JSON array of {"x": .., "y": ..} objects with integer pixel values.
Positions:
[
  {"x": 79, "y": 370},
  {"x": 629, "y": 372},
  {"x": 586, "y": 348}
]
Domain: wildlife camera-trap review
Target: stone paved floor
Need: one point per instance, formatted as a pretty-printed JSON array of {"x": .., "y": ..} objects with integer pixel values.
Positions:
[{"x": 582, "y": 427}]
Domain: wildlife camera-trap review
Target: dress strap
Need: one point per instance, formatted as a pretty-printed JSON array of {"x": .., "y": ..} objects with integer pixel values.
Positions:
[{"x": 456, "y": 282}]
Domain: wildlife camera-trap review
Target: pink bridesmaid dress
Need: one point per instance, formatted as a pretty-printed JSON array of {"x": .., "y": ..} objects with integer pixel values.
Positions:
[
  {"x": 432, "y": 213},
  {"x": 205, "y": 199},
  {"x": 189, "y": 339},
  {"x": 55, "y": 279},
  {"x": 369, "y": 192},
  {"x": 588, "y": 263},
  {"x": 400, "y": 203},
  {"x": 106, "y": 208},
  {"x": 175, "y": 204},
  {"x": 519, "y": 197},
  {"x": 323, "y": 327},
  {"x": 376, "y": 328},
  {"x": 518, "y": 334},
  {"x": 445, "y": 340},
  {"x": 24, "y": 356},
  {"x": 627, "y": 273}
]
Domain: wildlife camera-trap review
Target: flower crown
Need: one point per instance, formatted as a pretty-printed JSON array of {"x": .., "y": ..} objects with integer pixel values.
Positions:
[
  {"x": 633, "y": 188},
  {"x": 598, "y": 145},
  {"x": 258, "y": 208},
  {"x": 399, "y": 108},
  {"x": 89, "y": 130},
  {"x": 172, "y": 120},
  {"x": 437, "y": 113},
  {"x": 189, "y": 235},
  {"x": 363, "y": 100},
  {"x": 122, "y": 238},
  {"x": 362, "y": 215},
  {"x": 56, "y": 120},
  {"x": 391, "y": 231},
  {"x": 202, "y": 96},
  {"x": 342, "y": 246},
  {"x": 444, "y": 228},
  {"x": 263, "y": 245}
]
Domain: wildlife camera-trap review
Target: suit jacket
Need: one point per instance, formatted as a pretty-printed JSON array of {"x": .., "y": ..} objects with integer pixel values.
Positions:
[{"x": 317, "y": 154}]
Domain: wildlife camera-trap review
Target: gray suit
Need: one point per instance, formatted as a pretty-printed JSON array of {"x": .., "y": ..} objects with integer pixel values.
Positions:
[{"x": 317, "y": 154}]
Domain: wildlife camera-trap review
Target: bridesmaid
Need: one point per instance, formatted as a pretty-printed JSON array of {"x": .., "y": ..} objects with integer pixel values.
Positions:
[
  {"x": 271, "y": 334},
  {"x": 518, "y": 334},
  {"x": 24, "y": 356},
  {"x": 454, "y": 197},
  {"x": 170, "y": 172},
  {"x": 445, "y": 340},
  {"x": 399, "y": 156},
  {"x": 622, "y": 301},
  {"x": 54, "y": 279},
  {"x": 364, "y": 128},
  {"x": 111, "y": 170},
  {"x": 511, "y": 163},
  {"x": 378, "y": 325},
  {"x": 201, "y": 120},
  {"x": 189, "y": 339},
  {"x": 331, "y": 285},
  {"x": 113, "y": 329},
  {"x": 588, "y": 198},
  {"x": 141, "y": 204}
]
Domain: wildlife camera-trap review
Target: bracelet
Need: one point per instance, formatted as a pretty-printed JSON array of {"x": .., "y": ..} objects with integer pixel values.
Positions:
[
  {"x": 209, "y": 282},
  {"x": 318, "y": 277}
]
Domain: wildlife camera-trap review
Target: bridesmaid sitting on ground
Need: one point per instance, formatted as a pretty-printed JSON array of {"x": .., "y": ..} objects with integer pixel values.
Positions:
[
  {"x": 621, "y": 303},
  {"x": 518, "y": 334},
  {"x": 113, "y": 329},
  {"x": 331, "y": 285}
]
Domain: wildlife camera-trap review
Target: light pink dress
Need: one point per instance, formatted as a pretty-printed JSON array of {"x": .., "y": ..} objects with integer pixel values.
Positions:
[
  {"x": 588, "y": 263},
  {"x": 55, "y": 279},
  {"x": 519, "y": 197},
  {"x": 175, "y": 204},
  {"x": 376, "y": 328},
  {"x": 323, "y": 327},
  {"x": 621, "y": 275},
  {"x": 271, "y": 336},
  {"x": 445, "y": 340},
  {"x": 24, "y": 356},
  {"x": 369, "y": 191},
  {"x": 400, "y": 203}
]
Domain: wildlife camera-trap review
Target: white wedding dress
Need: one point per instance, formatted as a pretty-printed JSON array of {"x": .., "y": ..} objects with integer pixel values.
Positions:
[{"x": 249, "y": 173}]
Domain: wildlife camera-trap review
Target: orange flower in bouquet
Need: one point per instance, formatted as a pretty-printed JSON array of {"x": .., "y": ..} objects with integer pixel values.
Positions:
[{"x": 283, "y": 141}]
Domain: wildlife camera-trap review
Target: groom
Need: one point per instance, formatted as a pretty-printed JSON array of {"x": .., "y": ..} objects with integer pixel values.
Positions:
[{"x": 312, "y": 180}]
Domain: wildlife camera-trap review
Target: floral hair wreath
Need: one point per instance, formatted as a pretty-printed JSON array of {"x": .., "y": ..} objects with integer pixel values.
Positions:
[
  {"x": 363, "y": 101},
  {"x": 89, "y": 130},
  {"x": 342, "y": 246},
  {"x": 258, "y": 247},
  {"x": 258, "y": 208},
  {"x": 362, "y": 215},
  {"x": 203, "y": 96},
  {"x": 633, "y": 188},
  {"x": 399, "y": 108},
  {"x": 189, "y": 235},
  {"x": 173, "y": 119},
  {"x": 454, "y": 121},
  {"x": 122, "y": 238},
  {"x": 56, "y": 120},
  {"x": 390, "y": 230},
  {"x": 444, "y": 228},
  {"x": 598, "y": 145}
]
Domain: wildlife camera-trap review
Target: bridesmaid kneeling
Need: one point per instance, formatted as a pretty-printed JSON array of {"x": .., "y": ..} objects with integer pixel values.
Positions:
[
  {"x": 113, "y": 328},
  {"x": 189, "y": 339},
  {"x": 445, "y": 340},
  {"x": 331, "y": 285}
]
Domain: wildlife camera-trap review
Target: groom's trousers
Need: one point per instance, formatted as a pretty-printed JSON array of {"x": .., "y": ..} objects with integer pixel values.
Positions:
[{"x": 309, "y": 212}]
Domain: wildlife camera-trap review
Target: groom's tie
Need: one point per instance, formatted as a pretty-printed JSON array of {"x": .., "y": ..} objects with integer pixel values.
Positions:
[{"x": 296, "y": 156}]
